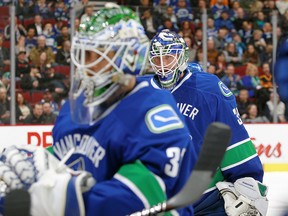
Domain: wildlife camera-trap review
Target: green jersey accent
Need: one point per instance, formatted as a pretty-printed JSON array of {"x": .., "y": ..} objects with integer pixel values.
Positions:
[
  {"x": 237, "y": 153},
  {"x": 143, "y": 180}
]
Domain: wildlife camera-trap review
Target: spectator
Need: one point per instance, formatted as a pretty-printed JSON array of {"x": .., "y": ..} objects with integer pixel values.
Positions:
[
  {"x": 251, "y": 80},
  {"x": 221, "y": 65},
  {"x": 224, "y": 2},
  {"x": 31, "y": 81},
  {"x": 233, "y": 12},
  {"x": 223, "y": 37},
  {"x": 89, "y": 11},
  {"x": 19, "y": 30},
  {"x": 161, "y": 9},
  {"x": 224, "y": 21},
  {"x": 20, "y": 46},
  {"x": 243, "y": 101},
  {"x": 4, "y": 107},
  {"x": 259, "y": 42},
  {"x": 240, "y": 17},
  {"x": 5, "y": 81},
  {"x": 64, "y": 35},
  {"x": 191, "y": 48},
  {"x": 246, "y": 32},
  {"x": 150, "y": 23},
  {"x": 268, "y": 57},
  {"x": 199, "y": 57},
  {"x": 48, "y": 97},
  {"x": 50, "y": 37},
  {"x": 23, "y": 108},
  {"x": 280, "y": 109},
  {"x": 30, "y": 40},
  {"x": 283, "y": 23},
  {"x": 186, "y": 29},
  {"x": 171, "y": 15},
  {"x": 260, "y": 20},
  {"x": 269, "y": 7},
  {"x": 255, "y": 7},
  {"x": 240, "y": 46},
  {"x": 251, "y": 115},
  {"x": 217, "y": 8},
  {"x": 183, "y": 12},
  {"x": 212, "y": 52},
  {"x": 212, "y": 68},
  {"x": 55, "y": 82},
  {"x": 232, "y": 80},
  {"x": 232, "y": 55},
  {"x": 198, "y": 38},
  {"x": 37, "y": 25},
  {"x": 251, "y": 56},
  {"x": 43, "y": 8},
  {"x": 198, "y": 13},
  {"x": 22, "y": 64},
  {"x": 267, "y": 32},
  {"x": 24, "y": 9},
  {"x": 61, "y": 11},
  {"x": 63, "y": 55},
  {"x": 266, "y": 77},
  {"x": 212, "y": 32},
  {"x": 36, "y": 117},
  {"x": 40, "y": 48},
  {"x": 80, "y": 6},
  {"x": 4, "y": 56},
  {"x": 168, "y": 24},
  {"x": 48, "y": 116}
]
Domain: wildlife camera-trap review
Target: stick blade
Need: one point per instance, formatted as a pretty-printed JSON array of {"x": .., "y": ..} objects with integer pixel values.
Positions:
[
  {"x": 215, "y": 142},
  {"x": 17, "y": 203}
]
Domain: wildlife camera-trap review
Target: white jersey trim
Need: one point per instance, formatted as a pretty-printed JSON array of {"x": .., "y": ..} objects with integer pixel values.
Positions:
[
  {"x": 239, "y": 163},
  {"x": 133, "y": 188}
]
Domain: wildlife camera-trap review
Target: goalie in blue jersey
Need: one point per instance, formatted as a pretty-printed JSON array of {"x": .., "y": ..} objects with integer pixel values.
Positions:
[
  {"x": 125, "y": 143},
  {"x": 202, "y": 98}
]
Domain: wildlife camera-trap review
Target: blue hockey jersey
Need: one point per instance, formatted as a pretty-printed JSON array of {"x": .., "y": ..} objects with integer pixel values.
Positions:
[
  {"x": 202, "y": 98},
  {"x": 142, "y": 136}
]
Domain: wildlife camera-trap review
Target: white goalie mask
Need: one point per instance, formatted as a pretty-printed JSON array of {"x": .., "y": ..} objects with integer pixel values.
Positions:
[
  {"x": 107, "y": 46},
  {"x": 168, "y": 57}
]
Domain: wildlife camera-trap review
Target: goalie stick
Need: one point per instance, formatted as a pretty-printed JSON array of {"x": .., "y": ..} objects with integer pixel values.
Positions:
[{"x": 214, "y": 146}]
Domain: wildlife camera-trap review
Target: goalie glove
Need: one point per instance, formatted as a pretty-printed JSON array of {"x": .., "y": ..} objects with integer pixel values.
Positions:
[
  {"x": 54, "y": 188},
  {"x": 246, "y": 197}
]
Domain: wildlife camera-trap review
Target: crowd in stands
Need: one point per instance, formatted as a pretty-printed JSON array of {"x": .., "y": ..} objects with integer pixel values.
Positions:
[{"x": 239, "y": 50}]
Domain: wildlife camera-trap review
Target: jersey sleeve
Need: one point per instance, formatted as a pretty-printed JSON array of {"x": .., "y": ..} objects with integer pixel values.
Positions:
[{"x": 131, "y": 189}]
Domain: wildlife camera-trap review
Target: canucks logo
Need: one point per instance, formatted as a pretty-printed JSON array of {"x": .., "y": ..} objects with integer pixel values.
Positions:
[
  {"x": 162, "y": 118},
  {"x": 224, "y": 89}
]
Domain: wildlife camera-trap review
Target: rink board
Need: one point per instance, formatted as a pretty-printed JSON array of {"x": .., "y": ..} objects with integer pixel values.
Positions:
[{"x": 270, "y": 141}]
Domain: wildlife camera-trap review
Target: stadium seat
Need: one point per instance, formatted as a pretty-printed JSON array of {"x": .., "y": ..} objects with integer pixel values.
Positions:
[
  {"x": 27, "y": 96},
  {"x": 240, "y": 70},
  {"x": 63, "y": 69},
  {"x": 36, "y": 96},
  {"x": 28, "y": 22},
  {"x": 4, "y": 11},
  {"x": 6, "y": 44}
]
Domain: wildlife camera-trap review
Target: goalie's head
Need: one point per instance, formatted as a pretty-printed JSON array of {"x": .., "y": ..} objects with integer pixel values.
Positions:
[
  {"x": 168, "y": 57},
  {"x": 108, "y": 45}
]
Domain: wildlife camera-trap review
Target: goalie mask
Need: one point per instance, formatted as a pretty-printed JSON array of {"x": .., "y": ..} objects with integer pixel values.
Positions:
[
  {"x": 168, "y": 57},
  {"x": 107, "y": 46}
]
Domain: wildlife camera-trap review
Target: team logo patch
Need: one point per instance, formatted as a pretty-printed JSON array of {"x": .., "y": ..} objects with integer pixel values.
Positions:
[
  {"x": 162, "y": 118},
  {"x": 224, "y": 89}
]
